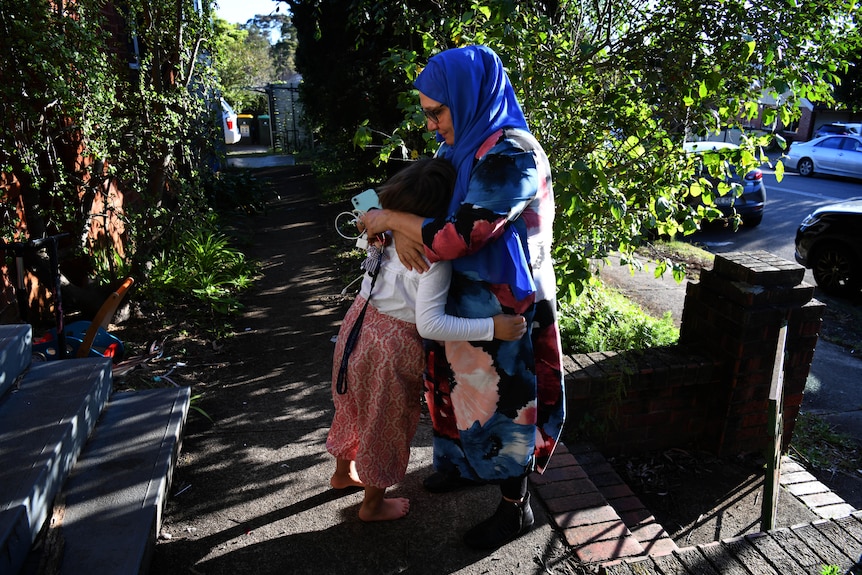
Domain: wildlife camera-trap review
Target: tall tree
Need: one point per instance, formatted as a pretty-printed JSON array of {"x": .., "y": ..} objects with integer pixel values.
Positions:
[
  {"x": 243, "y": 63},
  {"x": 340, "y": 46},
  {"x": 614, "y": 87}
]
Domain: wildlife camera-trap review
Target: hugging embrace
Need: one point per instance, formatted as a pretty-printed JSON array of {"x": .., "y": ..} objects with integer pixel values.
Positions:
[{"x": 492, "y": 363}]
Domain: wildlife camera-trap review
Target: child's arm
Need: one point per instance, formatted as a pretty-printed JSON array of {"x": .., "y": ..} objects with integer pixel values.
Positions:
[{"x": 433, "y": 323}]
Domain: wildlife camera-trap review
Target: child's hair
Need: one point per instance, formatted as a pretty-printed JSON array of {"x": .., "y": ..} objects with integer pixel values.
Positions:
[{"x": 423, "y": 188}]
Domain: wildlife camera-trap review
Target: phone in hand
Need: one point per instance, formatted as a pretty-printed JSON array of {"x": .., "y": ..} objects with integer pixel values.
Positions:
[{"x": 365, "y": 201}]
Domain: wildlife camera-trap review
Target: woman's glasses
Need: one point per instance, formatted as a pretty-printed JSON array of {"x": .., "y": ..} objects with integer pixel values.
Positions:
[{"x": 433, "y": 115}]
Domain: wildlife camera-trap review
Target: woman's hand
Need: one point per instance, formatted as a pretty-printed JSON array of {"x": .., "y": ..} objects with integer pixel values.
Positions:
[
  {"x": 509, "y": 327},
  {"x": 411, "y": 254},
  {"x": 374, "y": 222},
  {"x": 406, "y": 231}
]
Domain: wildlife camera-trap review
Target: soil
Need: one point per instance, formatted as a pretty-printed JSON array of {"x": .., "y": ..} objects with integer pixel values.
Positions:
[{"x": 679, "y": 487}]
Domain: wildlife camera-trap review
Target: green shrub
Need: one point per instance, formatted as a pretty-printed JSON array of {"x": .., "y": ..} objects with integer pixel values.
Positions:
[
  {"x": 237, "y": 191},
  {"x": 202, "y": 267},
  {"x": 601, "y": 319}
]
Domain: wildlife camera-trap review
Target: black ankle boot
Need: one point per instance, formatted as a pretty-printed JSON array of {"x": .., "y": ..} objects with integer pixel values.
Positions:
[{"x": 510, "y": 521}]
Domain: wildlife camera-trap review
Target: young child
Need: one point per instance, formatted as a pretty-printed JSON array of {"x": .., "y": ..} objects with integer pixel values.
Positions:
[{"x": 376, "y": 417}]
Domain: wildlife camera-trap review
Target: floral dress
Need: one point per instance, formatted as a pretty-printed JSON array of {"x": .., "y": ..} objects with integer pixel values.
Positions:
[{"x": 497, "y": 407}]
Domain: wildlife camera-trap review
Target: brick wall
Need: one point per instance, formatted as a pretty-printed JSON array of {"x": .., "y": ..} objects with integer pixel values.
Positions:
[{"x": 711, "y": 390}]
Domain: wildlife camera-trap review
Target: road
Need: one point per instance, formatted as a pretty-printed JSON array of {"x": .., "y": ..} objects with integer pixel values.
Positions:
[
  {"x": 832, "y": 391},
  {"x": 787, "y": 204}
]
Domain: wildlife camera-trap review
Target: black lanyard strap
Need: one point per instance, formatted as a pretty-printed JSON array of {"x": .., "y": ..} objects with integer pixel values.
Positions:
[{"x": 372, "y": 266}]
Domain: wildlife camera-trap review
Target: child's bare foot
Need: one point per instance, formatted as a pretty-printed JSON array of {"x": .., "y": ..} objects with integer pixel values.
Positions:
[
  {"x": 387, "y": 510},
  {"x": 345, "y": 475},
  {"x": 339, "y": 481}
]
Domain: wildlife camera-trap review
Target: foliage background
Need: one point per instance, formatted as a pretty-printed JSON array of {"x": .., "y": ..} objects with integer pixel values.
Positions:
[
  {"x": 112, "y": 135},
  {"x": 611, "y": 88}
]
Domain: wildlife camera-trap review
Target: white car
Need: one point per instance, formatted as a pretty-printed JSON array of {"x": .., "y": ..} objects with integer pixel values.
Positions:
[
  {"x": 229, "y": 123},
  {"x": 835, "y": 155}
]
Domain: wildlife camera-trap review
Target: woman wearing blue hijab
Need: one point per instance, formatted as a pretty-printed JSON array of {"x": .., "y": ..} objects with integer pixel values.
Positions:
[{"x": 497, "y": 407}]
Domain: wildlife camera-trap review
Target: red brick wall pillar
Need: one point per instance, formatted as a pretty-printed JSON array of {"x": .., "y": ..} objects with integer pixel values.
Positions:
[{"x": 734, "y": 313}]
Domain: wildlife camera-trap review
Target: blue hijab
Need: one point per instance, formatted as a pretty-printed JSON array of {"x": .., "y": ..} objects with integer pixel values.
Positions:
[{"x": 473, "y": 84}]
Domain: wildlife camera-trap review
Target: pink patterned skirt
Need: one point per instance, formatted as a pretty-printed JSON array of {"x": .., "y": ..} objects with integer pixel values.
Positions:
[{"x": 376, "y": 419}]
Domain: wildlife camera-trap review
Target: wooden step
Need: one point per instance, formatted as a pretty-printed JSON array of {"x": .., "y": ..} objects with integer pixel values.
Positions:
[
  {"x": 111, "y": 505},
  {"x": 44, "y": 423},
  {"x": 16, "y": 344}
]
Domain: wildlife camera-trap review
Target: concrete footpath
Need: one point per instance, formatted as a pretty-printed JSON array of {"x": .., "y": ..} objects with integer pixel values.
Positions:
[{"x": 251, "y": 492}]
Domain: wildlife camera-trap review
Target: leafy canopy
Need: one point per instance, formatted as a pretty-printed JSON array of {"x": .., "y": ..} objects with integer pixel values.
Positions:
[{"x": 613, "y": 88}]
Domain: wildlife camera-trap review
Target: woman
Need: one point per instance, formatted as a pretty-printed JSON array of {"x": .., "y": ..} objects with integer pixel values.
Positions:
[
  {"x": 376, "y": 382},
  {"x": 497, "y": 407}
]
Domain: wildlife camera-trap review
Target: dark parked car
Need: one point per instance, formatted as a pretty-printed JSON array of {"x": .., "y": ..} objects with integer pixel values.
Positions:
[
  {"x": 749, "y": 205},
  {"x": 834, "y": 129},
  {"x": 829, "y": 243}
]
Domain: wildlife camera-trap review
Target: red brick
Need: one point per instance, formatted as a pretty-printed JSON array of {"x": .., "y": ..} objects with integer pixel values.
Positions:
[
  {"x": 799, "y": 476},
  {"x": 636, "y": 516},
  {"x": 807, "y": 488},
  {"x": 616, "y": 491},
  {"x": 584, "y": 534},
  {"x": 573, "y": 502},
  {"x": 658, "y": 547},
  {"x": 648, "y": 531},
  {"x": 626, "y": 504},
  {"x": 578, "y": 517},
  {"x": 574, "y": 488},
  {"x": 608, "y": 550},
  {"x": 602, "y": 480},
  {"x": 561, "y": 460},
  {"x": 551, "y": 475},
  {"x": 835, "y": 511},
  {"x": 822, "y": 499}
]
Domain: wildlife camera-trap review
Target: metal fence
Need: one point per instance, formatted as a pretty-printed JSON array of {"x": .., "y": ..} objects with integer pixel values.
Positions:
[{"x": 289, "y": 133}]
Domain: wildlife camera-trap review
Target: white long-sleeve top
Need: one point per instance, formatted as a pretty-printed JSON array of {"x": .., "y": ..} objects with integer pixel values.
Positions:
[{"x": 421, "y": 299}]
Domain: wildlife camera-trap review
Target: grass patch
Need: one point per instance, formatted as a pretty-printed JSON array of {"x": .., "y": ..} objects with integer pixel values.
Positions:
[
  {"x": 602, "y": 319},
  {"x": 816, "y": 441},
  {"x": 692, "y": 257}
]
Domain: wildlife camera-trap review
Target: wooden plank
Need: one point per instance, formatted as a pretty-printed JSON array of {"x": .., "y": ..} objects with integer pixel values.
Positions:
[
  {"x": 722, "y": 558},
  {"x": 116, "y": 491},
  {"x": 825, "y": 550},
  {"x": 621, "y": 568},
  {"x": 775, "y": 554},
  {"x": 851, "y": 525},
  {"x": 796, "y": 548},
  {"x": 695, "y": 561},
  {"x": 841, "y": 539},
  {"x": 644, "y": 567},
  {"x": 769, "y": 508},
  {"x": 670, "y": 564},
  {"x": 746, "y": 554},
  {"x": 16, "y": 348}
]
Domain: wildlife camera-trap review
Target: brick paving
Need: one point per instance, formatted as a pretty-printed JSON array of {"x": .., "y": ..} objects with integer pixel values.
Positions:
[{"x": 605, "y": 523}]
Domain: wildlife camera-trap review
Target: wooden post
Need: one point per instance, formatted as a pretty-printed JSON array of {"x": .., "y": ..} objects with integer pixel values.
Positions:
[{"x": 776, "y": 428}]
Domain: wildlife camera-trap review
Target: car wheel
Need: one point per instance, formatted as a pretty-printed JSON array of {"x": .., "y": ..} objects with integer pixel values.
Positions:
[
  {"x": 805, "y": 167},
  {"x": 836, "y": 269}
]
